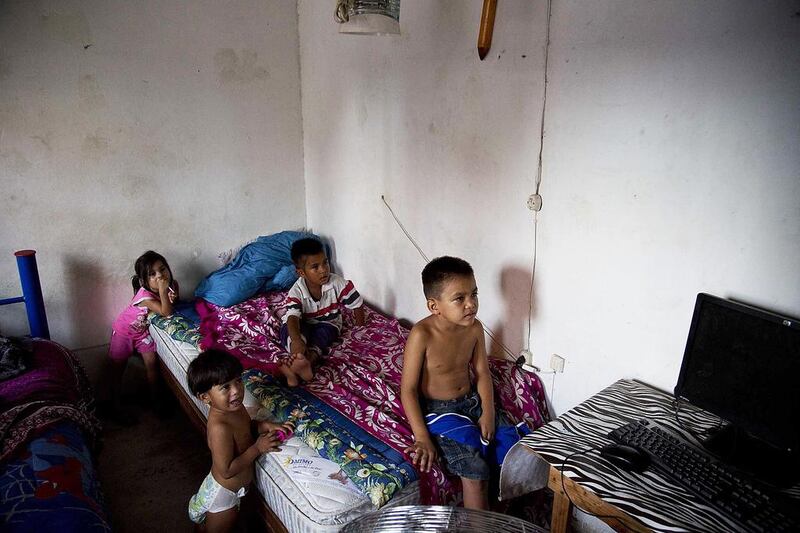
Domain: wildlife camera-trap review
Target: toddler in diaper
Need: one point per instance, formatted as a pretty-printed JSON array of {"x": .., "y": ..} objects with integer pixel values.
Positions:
[{"x": 215, "y": 377}]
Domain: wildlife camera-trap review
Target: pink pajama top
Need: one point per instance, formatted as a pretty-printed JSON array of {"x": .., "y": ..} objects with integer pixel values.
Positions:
[{"x": 132, "y": 321}]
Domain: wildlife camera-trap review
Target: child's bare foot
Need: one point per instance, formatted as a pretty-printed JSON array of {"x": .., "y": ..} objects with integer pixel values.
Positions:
[
  {"x": 305, "y": 371},
  {"x": 302, "y": 367},
  {"x": 291, "y": 377}
]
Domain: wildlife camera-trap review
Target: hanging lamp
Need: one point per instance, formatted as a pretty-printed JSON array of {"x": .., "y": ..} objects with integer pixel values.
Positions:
[{"x": 368, "y": 17}]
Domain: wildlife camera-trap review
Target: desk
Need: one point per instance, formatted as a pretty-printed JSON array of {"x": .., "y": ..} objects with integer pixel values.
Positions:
[{"x": 632, "y": 502}]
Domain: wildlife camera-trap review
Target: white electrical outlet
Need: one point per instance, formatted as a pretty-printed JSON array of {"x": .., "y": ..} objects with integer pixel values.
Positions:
[
  {"x": 527, "y": 355},
  {"x": 556, "y": 363},
  {"x": 534, "y": 202}
]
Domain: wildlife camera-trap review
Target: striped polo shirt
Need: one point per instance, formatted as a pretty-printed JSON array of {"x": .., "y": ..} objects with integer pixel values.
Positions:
[{"x": 336, "y": 293}]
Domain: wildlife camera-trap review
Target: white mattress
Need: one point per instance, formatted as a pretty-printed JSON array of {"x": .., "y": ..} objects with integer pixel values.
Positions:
[{"x": 295, "y": 482}]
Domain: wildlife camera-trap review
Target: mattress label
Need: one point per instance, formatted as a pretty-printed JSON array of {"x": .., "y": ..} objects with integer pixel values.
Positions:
[{"x": 319, "y": 470}]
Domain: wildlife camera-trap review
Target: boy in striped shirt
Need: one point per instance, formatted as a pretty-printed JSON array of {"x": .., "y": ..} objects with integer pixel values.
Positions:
[{"x": 313, "y": 316}]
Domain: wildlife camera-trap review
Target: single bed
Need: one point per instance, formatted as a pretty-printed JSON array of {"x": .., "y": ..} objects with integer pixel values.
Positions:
[
  {"x": 298, "y": 492},
  {"x": 346, "y": 456},
  {"x": 48, "y": 432}
]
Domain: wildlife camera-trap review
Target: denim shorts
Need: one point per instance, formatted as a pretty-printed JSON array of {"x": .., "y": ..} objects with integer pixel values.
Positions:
[{"x": 460, "y": 459}]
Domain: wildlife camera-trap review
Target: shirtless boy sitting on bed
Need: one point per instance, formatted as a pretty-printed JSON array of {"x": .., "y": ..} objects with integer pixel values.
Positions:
[{"x": 436, "y": 379}]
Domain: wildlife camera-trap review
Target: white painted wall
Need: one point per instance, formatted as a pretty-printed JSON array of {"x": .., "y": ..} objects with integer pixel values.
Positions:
[
  {"x": 133, "y": 125},
  {"x": 671, "y": 166},
  {"x": 670, "y": 160},
  {"x": 450, "y": 141}
]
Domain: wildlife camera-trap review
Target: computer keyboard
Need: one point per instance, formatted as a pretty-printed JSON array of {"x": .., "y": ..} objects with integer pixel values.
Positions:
[{"x": 713, "y": 481}]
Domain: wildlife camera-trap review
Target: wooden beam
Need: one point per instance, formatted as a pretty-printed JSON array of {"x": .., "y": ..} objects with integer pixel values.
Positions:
[{"x": 487, "y": 27}]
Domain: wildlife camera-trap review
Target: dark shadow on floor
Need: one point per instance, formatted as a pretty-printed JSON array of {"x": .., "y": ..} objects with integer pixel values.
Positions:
[{"x": 149, "y": 471}]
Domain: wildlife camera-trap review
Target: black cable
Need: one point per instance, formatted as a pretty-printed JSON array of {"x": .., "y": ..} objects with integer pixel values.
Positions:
[{"x": 564, "y": 490}]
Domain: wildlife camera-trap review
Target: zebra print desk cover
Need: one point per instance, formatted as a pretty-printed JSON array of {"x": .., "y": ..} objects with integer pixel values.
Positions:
[{"x": 649, "y": 497}]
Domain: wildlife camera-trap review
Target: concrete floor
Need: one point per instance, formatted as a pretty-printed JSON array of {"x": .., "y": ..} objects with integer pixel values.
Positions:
[{"x": 148, "y": 471}]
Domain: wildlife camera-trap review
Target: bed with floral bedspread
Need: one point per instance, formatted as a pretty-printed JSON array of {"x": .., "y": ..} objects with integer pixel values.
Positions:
[{"x": 360, "y": 382}]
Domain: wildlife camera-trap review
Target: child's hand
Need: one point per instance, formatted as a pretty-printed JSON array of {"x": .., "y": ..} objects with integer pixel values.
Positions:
[
  {"x": 359, "y": 317},
  {"x": 266, "y": 425},
  {"x": 486, "y": 423},
  {"x": 424, "y": 453},
  {"x": 267, "y": 442},
  {"x": 162, "y": 284},
  {"x": 172, "y": 295}
]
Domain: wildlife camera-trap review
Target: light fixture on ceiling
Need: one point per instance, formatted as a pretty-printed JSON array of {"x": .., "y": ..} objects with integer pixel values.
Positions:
[{"x": 368, "y": 17}]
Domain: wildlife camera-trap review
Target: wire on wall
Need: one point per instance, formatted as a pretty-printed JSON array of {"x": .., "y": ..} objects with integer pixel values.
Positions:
[
  {"x": 402, "y": 227},
  {"x": 537, "y": 186},
  {"x": 538, "y": 181},
  {"x": 544, "y": 98},
  {"x": 425, "y": 257}
]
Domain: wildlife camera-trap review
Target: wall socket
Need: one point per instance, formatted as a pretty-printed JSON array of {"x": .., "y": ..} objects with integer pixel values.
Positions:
[
  {"x": 556, "y": 363},
  {"x": 535, "y": 202},
  {"x": 527, "y": 355}
]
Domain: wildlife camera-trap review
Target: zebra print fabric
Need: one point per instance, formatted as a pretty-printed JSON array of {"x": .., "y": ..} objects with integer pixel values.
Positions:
[{"x": 653, "y": 499}]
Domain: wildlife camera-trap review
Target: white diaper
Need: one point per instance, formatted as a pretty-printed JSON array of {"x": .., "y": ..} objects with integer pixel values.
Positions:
[{"x": 213, "y": 498}]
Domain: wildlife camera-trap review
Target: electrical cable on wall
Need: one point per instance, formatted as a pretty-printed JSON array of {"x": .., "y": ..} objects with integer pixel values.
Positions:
[
  {"x": 488, "y": 331},
  {"x": 544, "y": 99},
  {"x": 402, "y": 227},
  {"x": 537, "y": 186},
  {"x": 538, "y": 181}
]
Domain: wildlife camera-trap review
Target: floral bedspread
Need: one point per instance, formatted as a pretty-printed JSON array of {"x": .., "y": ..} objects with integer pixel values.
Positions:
[
  {"x": 361, "y": 375},
  {"x": 376, "y": 468}
]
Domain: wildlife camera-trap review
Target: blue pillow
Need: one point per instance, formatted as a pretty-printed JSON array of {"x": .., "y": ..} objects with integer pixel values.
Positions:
[{"x": 263, "y": 265}]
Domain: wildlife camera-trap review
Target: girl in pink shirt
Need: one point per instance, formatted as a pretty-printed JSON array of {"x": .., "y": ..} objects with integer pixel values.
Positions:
[{"x": 156, "y": 291}]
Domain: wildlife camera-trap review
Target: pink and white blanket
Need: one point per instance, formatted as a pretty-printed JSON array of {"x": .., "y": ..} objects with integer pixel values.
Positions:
[{"x": 361, "y": 375}]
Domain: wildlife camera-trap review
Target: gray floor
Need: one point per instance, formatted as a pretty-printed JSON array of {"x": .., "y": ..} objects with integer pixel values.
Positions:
[{"x": 148, "y": 471}]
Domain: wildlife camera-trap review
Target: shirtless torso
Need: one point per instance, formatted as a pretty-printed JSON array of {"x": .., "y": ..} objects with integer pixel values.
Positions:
[
  {"x": 448, "y": 352},
  {"x": 232, "y": 436}
]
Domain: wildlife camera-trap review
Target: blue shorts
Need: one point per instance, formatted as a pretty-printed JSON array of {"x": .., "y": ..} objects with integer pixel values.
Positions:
[{"x": 460, "y": 459}]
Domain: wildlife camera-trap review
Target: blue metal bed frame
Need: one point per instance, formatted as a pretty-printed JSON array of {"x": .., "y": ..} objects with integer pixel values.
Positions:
[{"x": 31, "y": 294}]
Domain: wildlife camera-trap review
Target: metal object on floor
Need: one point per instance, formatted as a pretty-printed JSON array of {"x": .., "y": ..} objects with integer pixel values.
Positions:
[{"x": 437, "y": 518}]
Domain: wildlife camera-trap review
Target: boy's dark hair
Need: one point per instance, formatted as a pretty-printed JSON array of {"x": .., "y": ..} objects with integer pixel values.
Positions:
[
  {"x": 142, "y": 269},
  {"x": 212, "y": 367},
  {"x": 307, "y": 246},
  {"x": 440, "y": 270}
]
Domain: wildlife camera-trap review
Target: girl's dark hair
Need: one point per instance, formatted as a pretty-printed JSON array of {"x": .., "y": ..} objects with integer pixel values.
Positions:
[
  {"x": 142, "y": 269},
  {"x": 212, "y": 367},
  {"x": 440, "y": 270}
]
